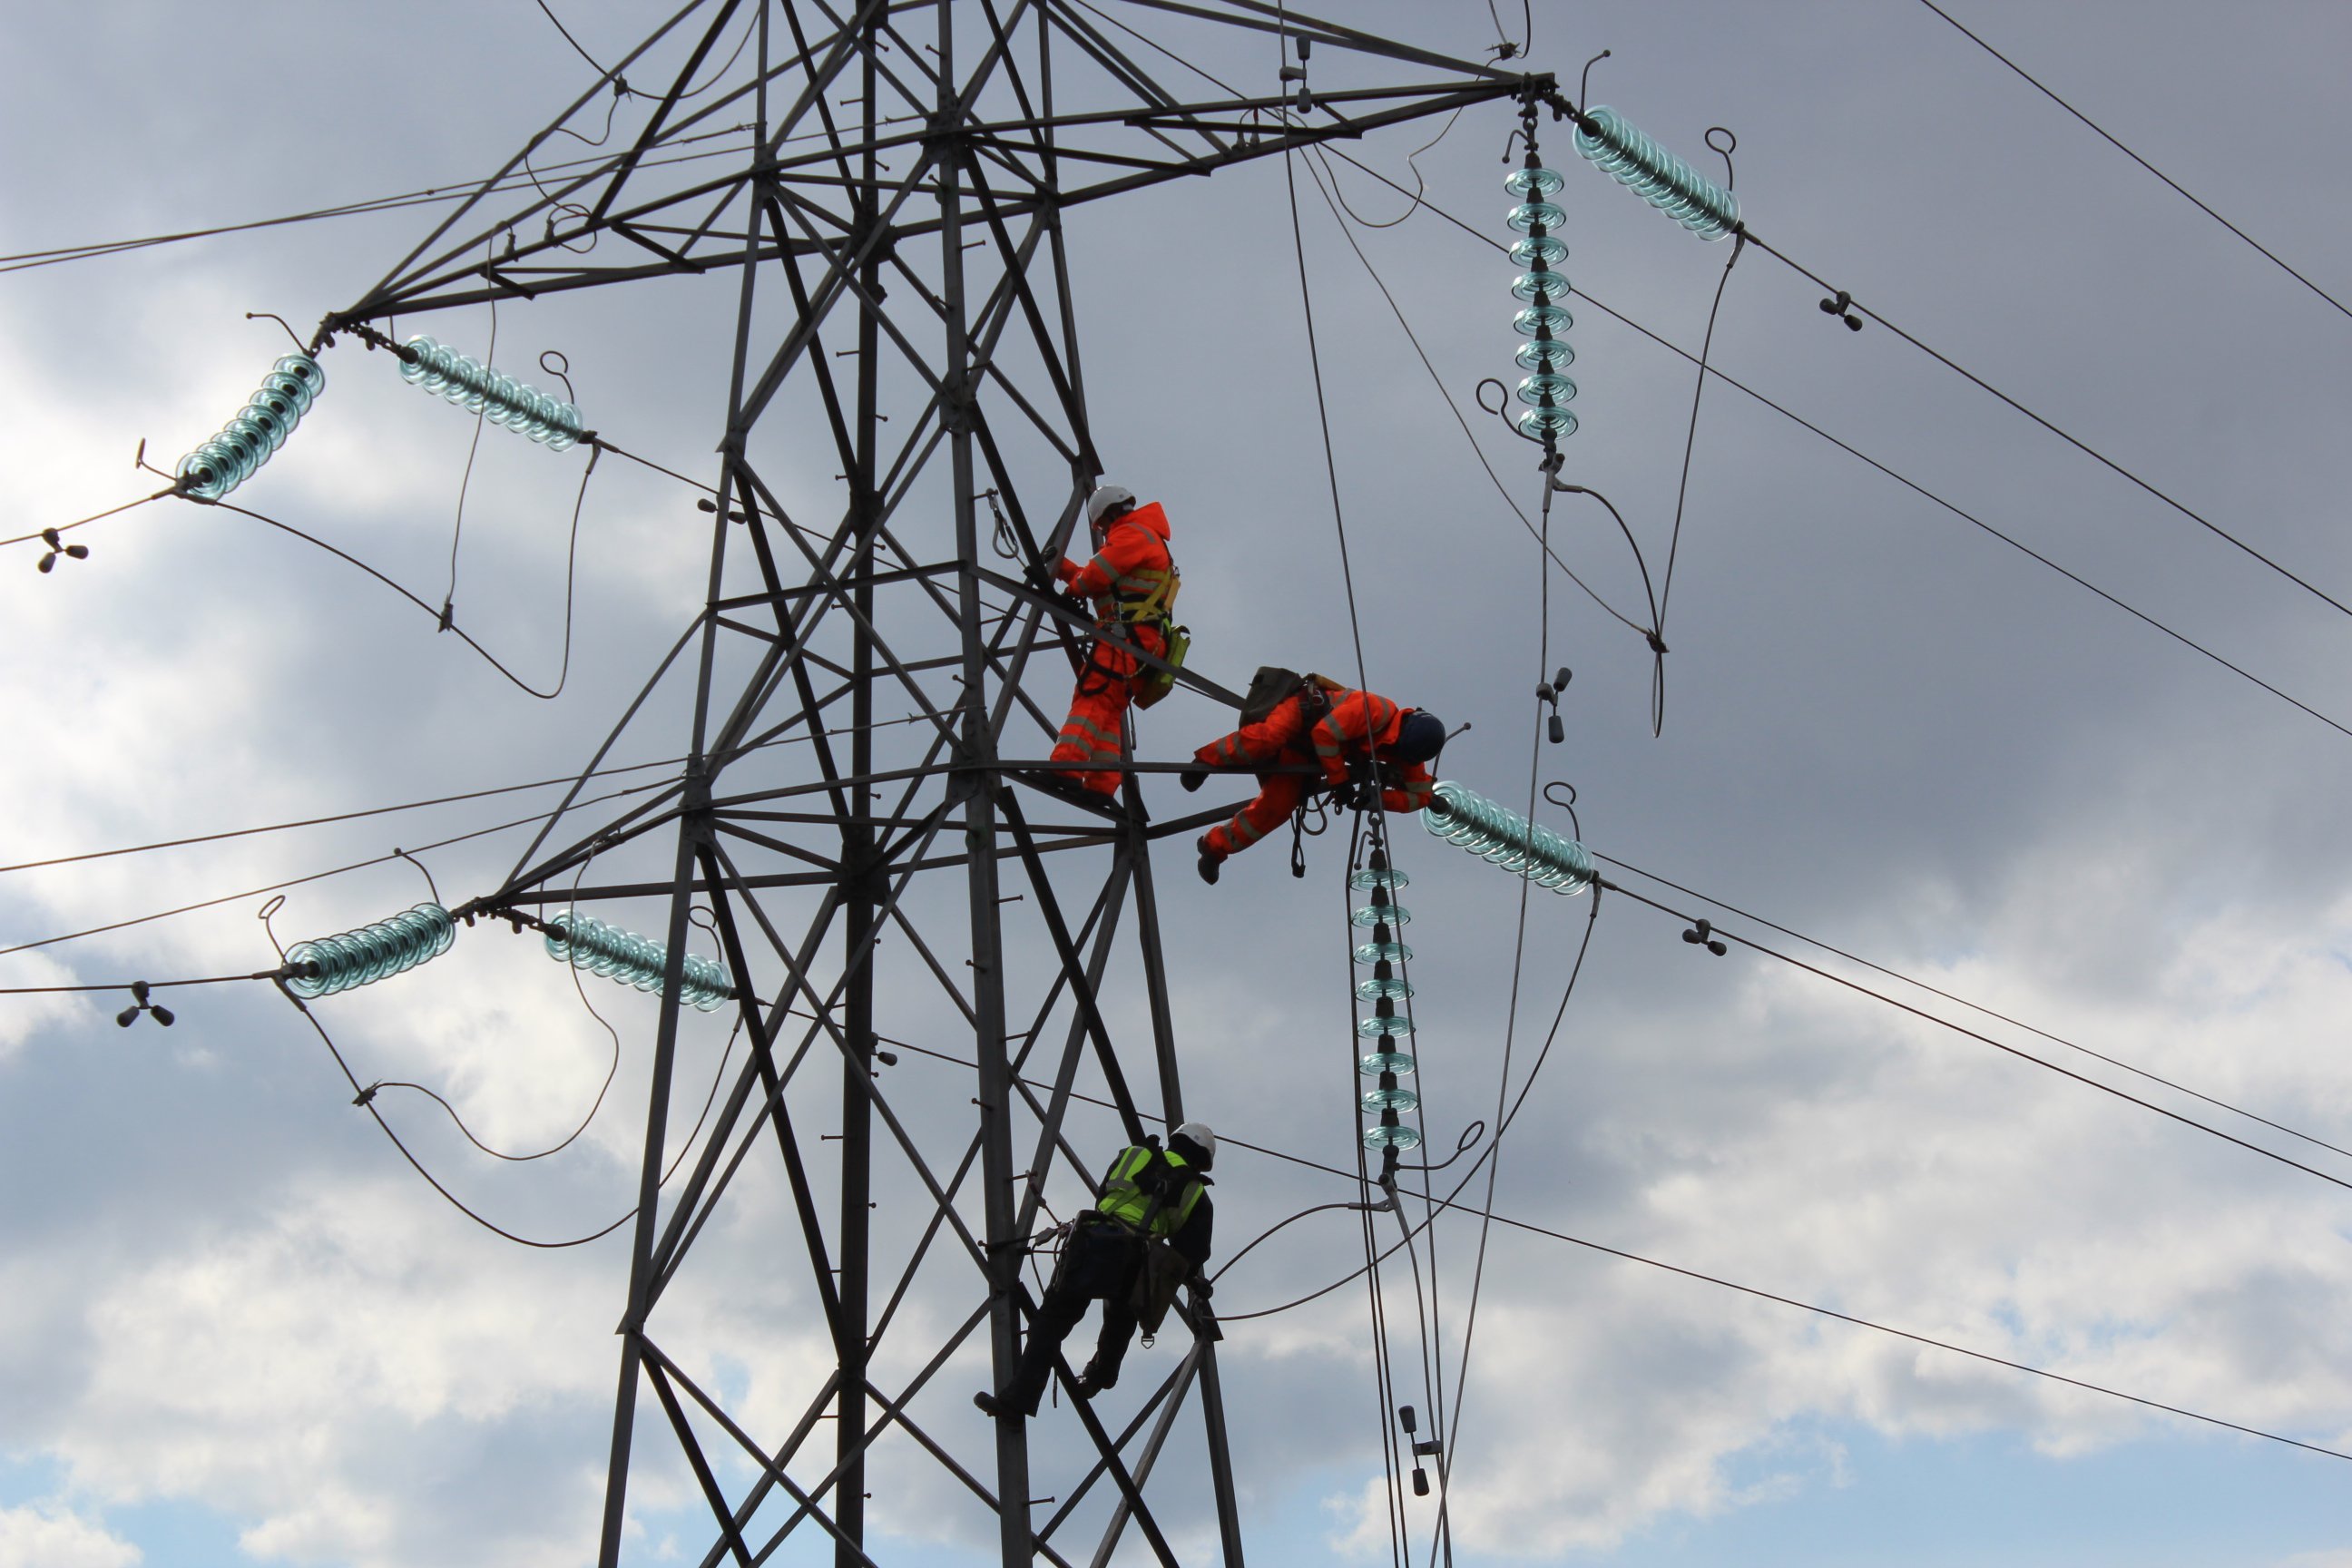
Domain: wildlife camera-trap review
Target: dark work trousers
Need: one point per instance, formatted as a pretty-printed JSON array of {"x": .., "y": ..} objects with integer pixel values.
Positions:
[{"x": 1100, "y": 1264}]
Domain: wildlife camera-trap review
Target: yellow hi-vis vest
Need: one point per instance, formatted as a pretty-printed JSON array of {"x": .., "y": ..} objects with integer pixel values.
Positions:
[{"x": 1123, "y": 1200}]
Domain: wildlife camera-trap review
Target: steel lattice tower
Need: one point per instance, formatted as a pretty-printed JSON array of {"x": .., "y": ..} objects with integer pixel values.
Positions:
[{"x": 921, "y": 239}]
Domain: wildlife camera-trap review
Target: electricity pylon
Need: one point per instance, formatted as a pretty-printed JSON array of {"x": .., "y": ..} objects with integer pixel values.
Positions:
[{"x": 900, "y": 172}]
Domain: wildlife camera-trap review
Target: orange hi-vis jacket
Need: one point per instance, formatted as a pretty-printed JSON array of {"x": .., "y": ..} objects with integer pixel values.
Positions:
[
  {"x": 1132, "y": 568},
  {"x": 1354, "y": 724},
  {"x": 1361, "y": 724}
]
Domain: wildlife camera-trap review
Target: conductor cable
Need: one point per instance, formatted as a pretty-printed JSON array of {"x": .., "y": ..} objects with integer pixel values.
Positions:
[
  {"x": 2179, "y": 189},
  {"x": 439, "y": 618},
  {"x": 2194, "y": 515},
  {"x": 1976, "y": 1007},
  {"x": 1791, "y": 959},
  {"x": 365, "y": 1099},
  {"x": 1719, "y": 1282}
]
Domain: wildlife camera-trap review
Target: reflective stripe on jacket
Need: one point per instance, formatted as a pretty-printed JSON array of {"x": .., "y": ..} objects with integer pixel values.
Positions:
[
  {"x": 1359, "y": 724},
  {"x": 1358, "y": 720},
  {"x": 1122, "y": 1199}
]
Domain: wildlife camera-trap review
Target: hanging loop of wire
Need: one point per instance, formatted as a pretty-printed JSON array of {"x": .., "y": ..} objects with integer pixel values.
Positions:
[
  {"x": 468, "y": 639},
  {"x": 1568, "y": 806},
  {"x": 1730, "y": 144},
  {"x": 1501, "y": 407},
  {"x": 1462, "y": 1145},
  {"x": 561, "y": 370},
  {"x": 1682, "y": 488},
  {"x": 365, "y": 1099},
  {"x": 1421, "y": 182},
  {"x": 266, "y": 910}
]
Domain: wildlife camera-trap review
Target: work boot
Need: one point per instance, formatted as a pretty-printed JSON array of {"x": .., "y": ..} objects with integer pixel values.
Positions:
[
  {"x": 1092, "y": 1382},
  {"x": 991, "y": 1405},
  {"x": 1193, "y": 778}
]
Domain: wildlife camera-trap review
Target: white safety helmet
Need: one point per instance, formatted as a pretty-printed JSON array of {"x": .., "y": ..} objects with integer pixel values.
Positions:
[
  {"x": 1105, "y": 501},
  {"x": 1198, "y": 1134}
]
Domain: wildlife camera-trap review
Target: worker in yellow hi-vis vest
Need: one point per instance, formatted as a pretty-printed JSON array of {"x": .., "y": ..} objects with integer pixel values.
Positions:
[{"x": 1152, "y": 1199}]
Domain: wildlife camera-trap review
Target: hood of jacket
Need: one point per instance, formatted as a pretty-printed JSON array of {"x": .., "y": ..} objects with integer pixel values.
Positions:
[{"x": 1153, "y": 519}]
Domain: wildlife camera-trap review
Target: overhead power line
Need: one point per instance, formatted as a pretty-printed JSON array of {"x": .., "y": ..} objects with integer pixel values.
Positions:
[
  {"x": 1861, "y": 1323},
  {"x": 383, "y": 811},
  {"x": 94, "y": 517},
  {"x": 333, "y": 871},
  {"x": 2181, "y": 190},
  {"x": 26, "y": 260},
  {"x": 1909, "y": 483},
  {"x": 1719, "y": 1282},
  {"x": 127, "y": 984},
  {"x": 1977, "y": 1007},
  {"x": 2023, "y": 1054},
  {"x": 364, "y": 1098},
  {"x": 337, "y": 817},
  {"x": 1965, "y": 373}
]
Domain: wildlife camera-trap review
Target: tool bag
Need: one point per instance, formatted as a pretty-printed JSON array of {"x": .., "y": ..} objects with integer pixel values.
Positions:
[
  {"x": 1151, "y": 684},
  {"x": 1163, "y": 1273},
  {"x": 1272, "y": 685}
]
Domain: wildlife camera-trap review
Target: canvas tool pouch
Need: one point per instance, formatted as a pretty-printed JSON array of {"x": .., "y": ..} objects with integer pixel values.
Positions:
[
  {"x": 1151, "y": 684},
  {"x": 1163, "y": 1273}
]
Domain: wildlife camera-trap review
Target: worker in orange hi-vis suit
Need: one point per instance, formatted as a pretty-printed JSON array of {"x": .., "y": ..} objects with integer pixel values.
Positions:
[
  {"x": 1293, "y": 720},
  {"x": 1132, "y": 581}
]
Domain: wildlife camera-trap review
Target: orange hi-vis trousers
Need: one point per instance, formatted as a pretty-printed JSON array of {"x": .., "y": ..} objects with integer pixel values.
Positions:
[
  {"x": 1099, "y": 706},
  {"x": 1272, "y": 741},
  {"x": 1278, "y": 795}
]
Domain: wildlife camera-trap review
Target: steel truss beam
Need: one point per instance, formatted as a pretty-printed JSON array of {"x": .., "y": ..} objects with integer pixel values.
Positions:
[{"x": 920, "y": 234}]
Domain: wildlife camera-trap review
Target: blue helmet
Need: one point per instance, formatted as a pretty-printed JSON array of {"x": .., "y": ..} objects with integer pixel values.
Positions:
[{"x": 1420, "y": 738}]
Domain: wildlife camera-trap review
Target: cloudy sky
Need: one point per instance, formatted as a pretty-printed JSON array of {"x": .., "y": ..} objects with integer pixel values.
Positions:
[{"x": 244, "y": 1332}]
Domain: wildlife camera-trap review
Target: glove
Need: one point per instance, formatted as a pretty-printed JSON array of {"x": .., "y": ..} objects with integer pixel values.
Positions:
[{"x": 1193, "y": 778}]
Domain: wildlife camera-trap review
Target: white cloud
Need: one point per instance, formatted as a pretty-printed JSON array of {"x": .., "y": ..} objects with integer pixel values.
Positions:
[
  {"x": 23, "y": 1017},
  {"x": 42, "y": 1535},
  {"x": 300, "y": 1372}
]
